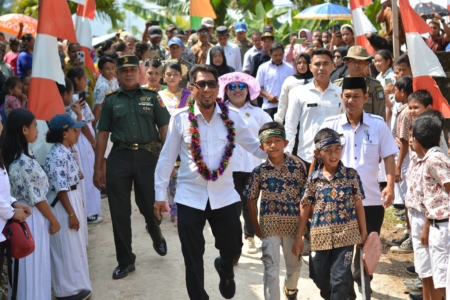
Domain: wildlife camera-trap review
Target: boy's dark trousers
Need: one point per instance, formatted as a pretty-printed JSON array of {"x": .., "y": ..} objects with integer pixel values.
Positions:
[{"x": 331, "y": 271}]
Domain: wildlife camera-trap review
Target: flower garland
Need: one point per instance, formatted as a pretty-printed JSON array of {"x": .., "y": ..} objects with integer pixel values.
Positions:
[{"x": 196, "y": 150}]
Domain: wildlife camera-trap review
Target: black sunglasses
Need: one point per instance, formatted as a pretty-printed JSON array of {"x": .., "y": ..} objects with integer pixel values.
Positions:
[
  {"x": 212, "y": 84},
  {"x": 242, "y": 86}
]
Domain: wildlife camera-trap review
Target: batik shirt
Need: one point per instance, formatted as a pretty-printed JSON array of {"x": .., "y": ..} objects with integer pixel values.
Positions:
[
  {"x": 28, "y": 180},
  {"x": 61, "y": 168},
  {"x": 433, "y": 171},
  {"x": 334, "y": 222},
  {"x": 280, "y": 198}
]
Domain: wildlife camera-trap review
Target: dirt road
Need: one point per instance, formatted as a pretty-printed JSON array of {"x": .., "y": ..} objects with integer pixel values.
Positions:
[{"x": 159, "y": 277}]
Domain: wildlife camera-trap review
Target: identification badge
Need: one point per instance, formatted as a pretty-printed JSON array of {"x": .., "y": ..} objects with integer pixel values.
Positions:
[
  {"x": 312, "y": 105},
  {"x": 146, "y": 104}
]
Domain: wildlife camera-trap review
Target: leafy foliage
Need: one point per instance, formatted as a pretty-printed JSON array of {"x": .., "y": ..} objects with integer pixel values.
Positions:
[{"x": 106, "y": 9}]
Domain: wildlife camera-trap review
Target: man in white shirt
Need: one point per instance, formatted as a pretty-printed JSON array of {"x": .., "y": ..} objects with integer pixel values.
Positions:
[
  {"x": 310, "y": 105},
  {"x": 257, "y": 48},
  {"x": 232, "y": 51},
  {"x": 366, "y": 139},
  {"x": 271, "y": 76},
  {"x": 200, "y": 196}
]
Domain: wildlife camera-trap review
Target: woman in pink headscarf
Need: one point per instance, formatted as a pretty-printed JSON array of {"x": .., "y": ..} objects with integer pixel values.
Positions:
[{"x": 293, "y": 50}]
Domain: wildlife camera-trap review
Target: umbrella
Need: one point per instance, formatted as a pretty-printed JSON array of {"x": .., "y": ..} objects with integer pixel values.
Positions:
[
  {"x": 427, "y": 10},
  {"x": 326, "y": 11},
  {"x": 10, "y": 24}
]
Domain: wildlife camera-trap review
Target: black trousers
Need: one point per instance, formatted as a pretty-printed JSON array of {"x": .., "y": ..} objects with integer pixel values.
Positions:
[
  {"x": 271, "y": 111},
  {"x": 125, "y": 168},
  {"x": 240, "y": 180},
  {"x": 226, "y": 228},
  {"x": 374, "y": 221}
]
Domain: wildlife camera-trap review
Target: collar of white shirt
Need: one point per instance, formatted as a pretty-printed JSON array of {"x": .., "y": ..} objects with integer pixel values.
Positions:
[
  {"x": 197, "y": 111},
  {"x": 364, "y": 119},
  {"x": 312, "y": 86}
]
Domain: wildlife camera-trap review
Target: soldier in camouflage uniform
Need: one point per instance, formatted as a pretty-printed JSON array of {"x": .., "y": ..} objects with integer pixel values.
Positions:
[
  {"x": 209, "y": 23},
  {"x": 244, "y": 44},
  {"x": 356, "y": 60},
  {"x": 153, "y": 35}
]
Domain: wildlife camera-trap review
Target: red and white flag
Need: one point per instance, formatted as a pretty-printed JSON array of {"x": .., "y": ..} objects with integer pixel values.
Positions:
[
  {"x": 55, "y": 21},
  {"x": 85, "y": 13},
  {"x": 424, "y": 63},
  {"x": 362, "y": 24}
]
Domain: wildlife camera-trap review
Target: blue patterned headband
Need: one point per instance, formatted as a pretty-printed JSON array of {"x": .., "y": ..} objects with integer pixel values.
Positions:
[{"x": 325, "y": 143}]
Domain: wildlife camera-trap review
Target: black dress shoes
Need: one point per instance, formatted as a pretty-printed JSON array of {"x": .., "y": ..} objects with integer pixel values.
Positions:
[
  {"x": 122, "y": 271},
  {"x": 161, "y": 248},
  {"x": 227, "y": 286}
]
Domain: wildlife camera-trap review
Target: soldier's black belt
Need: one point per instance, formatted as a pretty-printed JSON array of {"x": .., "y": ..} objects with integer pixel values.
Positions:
[{"x": 152, "y": 147}]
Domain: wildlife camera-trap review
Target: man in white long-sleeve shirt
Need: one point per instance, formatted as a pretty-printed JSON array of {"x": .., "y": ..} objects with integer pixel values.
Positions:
[
  {"x": 200, "y": 199},
  {"x": 310, "y": 104}
]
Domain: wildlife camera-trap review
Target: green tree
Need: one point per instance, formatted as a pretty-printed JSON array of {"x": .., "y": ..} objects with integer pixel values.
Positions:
[
  {"x": 106, "y": 9},
  {"x": 5, "y": 7}
]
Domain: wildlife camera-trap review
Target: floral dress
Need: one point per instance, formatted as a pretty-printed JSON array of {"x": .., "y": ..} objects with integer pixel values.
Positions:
[{"x": 29, "y": 185}]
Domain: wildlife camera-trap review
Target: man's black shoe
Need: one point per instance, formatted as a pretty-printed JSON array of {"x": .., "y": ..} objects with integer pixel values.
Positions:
[
  {"x": 416, "y": 296},
  {"x": 122, "y": 271},
  {"x": 84, "y": 294},
  {"x": 227, "y": 286},
  {"x": 161, "y": 248}
]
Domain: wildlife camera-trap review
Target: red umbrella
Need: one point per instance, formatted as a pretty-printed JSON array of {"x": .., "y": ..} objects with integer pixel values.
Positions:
[{"x": 10, "y": 24}]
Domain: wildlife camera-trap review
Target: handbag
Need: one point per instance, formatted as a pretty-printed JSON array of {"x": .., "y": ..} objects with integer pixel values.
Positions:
[
  {"x": 19, "y": 244},
  {"x": 19, "y": 239}
]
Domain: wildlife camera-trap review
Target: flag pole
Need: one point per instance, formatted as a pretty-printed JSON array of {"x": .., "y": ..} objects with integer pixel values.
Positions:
[{"x": 395, "y": 33}]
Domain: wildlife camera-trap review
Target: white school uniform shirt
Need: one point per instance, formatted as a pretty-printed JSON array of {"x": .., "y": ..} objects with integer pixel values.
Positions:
[
  {"x": 192, "y": 189},
  {"x": 271, "y": 77},
  {"x": 248, "y": 57},
  {"x": 310, "y": 107},
  {"x": 233, "y": 55},
  {"x": 363, "y": 147},
  {"x": 254, "y": 118},
  {"x": 283, "y": 103},
  {"x": 6, "y": 200}
]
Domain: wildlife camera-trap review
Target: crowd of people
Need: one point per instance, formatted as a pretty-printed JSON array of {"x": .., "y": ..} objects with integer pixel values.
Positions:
[{"x": 319, "y": 134}]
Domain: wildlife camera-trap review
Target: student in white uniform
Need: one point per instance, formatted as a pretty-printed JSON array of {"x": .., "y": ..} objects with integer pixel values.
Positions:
[
  {"x": 69, "y": 261},
  {"x": 29, "y": 185},
  {"x": 85, "y": 148},
  {"x": 10, "y": 208},
  {"x": 238, "y": 89}
]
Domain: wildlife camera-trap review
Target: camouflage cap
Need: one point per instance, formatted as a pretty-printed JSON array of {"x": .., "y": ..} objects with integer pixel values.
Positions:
[{"x": 357, "y": 52}]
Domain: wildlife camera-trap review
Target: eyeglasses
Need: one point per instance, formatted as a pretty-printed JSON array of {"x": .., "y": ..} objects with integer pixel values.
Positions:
[
  {"x": 337, "y": 56},
  {"x": 242, "y": 86},
  {"x": 212, "y": 84},
  {"x": 203, "y": 32}
]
